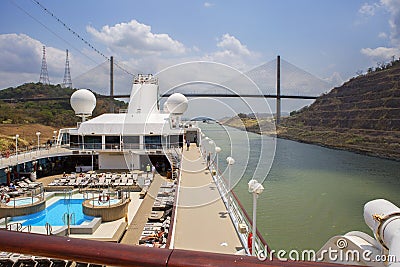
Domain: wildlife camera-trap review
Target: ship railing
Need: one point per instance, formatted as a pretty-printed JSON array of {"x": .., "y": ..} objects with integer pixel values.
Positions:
[
  {"x": 10, "y": 158},
  {"x": 106, "y": 146},
  {"x": 123, "y": 146},
  {"x": 115, "y": 254},
  {"x": 145, "y": 78},
  {"x": 240, "y": 218}
]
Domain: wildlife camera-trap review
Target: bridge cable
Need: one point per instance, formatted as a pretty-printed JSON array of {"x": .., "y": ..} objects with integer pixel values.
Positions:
[
  {"x": 50, "y": 30},
  {"x": 79, "y": 36}
]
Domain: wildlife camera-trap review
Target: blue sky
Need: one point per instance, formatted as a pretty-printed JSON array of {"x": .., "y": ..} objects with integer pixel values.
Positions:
[{"x": 328, "y": 38}]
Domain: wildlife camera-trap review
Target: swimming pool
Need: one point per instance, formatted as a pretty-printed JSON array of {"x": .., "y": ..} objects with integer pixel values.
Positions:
[
  {"x": 54, "y": 214},
  {"x": 22, "y": 201}
]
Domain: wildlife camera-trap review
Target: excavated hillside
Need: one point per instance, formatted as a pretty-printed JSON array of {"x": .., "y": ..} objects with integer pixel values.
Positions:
[{"x": 363, "y": 115}]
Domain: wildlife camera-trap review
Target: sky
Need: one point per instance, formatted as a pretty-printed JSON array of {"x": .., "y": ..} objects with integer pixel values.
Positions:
[{"x": 331, "y": 39}]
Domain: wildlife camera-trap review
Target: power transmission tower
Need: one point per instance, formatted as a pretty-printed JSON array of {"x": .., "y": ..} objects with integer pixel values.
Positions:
[
  {"x": 44, "y": 75},
  {"x": 67, "y": 82}
]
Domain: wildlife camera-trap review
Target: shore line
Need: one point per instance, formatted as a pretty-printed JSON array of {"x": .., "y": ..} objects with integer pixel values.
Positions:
[{"x": 360, "y": 151}]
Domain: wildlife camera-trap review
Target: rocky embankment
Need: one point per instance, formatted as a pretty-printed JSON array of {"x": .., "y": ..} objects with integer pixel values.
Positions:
[{"x": 363, "y": 115}]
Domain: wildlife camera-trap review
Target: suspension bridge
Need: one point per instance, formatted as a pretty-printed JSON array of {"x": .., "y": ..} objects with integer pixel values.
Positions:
[{"x": 262, "y": 76}]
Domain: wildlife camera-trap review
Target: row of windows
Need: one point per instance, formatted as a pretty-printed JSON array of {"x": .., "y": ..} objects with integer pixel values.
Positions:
[{"x": 92, "y": 139}]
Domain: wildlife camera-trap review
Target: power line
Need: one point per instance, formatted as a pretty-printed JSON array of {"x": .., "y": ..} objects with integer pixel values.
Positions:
[
  {"x": 79, "y": 36},
  {"x": 55, "y": 34}
]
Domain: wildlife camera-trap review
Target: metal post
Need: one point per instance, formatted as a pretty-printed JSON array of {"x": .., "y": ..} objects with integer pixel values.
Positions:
[
  {"x": 278, "y": 89},
  {"x": 111, "y": 81},
  {"x": 92, "y": 159},
  {"x": 230, "y": 162},
  {"x": 217, "y": 166},
  {"x": 229, "y": 188},
  {"x": 16, "y": 147},
  {"x": 254, "y": 224},
  {"x": 38, "y": 142}
]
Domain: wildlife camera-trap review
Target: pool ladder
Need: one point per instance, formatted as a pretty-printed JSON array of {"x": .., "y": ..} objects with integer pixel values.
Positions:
[
  {"x": 67, "y": 194},
  {"x": 69, "y": 218},
  {"x": 49, "y": 229}
]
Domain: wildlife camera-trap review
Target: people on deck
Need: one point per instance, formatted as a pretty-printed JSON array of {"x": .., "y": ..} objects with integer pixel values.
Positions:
[
  {"x": 157, "y": 237},
  {"x": 187, "y": 144},
  {"x": 148, "y": 168}
]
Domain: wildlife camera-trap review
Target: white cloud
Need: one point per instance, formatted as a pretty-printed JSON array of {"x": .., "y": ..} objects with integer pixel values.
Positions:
[
  {"x": 230, "y": 44},
  {"x": 135, "y": 37},
  {"x": 207, "y": 4},
  {"x": 393, "y": 48},
  {"x": 22, "y": 59},
  {"x": 21, "y": 56},
  {"x": 393, "y": 7},
  {"x": 368, "y": 9},
  {"x": 383, "y": 35},
  {"x": 232, "y": 52},
  {"x": 381, "y": 53}
]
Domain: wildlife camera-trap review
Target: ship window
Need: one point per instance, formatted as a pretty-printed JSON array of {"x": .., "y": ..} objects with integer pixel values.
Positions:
[
  {"x": 112, "y": 140},
  {"x": 65, "y": 138},
  {"x": 131, "y": 142},
  {"x": 92, "y": 142},
  {"x": 153, "y": 141},
  {"x": 130, "y": 139},
  {"x": 74, "y": 141},
  {"x": 174, "y": 140}
]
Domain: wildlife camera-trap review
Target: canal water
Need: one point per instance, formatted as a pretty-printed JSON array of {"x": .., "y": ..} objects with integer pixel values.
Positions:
[{"x": 311, "y": 193}]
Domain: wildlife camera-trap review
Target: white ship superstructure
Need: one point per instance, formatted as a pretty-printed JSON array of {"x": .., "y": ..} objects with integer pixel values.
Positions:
[{"x": 131, "y": 140}]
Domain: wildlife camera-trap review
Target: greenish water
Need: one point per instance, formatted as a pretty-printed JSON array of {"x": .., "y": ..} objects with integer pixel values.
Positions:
[{"x": 311, "y": 193}]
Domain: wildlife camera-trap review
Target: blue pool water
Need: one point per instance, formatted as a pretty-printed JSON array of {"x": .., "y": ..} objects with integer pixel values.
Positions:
[{"x": 54, "y": 214}]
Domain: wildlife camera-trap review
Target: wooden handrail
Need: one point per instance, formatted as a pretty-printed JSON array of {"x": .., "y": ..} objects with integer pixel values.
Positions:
[
  {"x": 81, "y": 250},
  {"x": 114, "y": 254}
]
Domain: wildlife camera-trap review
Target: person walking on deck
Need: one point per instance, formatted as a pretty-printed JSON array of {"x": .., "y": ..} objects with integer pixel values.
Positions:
[
  {"x": 187, "y": 144},
  {"x": 148, "y": 168}
]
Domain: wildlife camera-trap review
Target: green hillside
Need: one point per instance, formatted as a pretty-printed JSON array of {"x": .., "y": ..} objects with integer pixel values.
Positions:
[
  {"x": 25, "y": 118},
  {"x": 57, "y": 113},
  {"x": 362, "y": 115}
]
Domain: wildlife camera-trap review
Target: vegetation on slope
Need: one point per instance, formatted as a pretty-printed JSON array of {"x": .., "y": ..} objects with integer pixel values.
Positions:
[{"x": 44, "y": 116}]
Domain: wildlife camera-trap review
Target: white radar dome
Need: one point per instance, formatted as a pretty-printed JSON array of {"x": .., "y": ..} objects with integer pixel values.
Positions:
[
  {"x": 177, "y": 103},
  {"x": 83, "y": 102}
]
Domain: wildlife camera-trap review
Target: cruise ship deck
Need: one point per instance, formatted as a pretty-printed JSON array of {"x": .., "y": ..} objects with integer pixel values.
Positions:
[{"x": 202, "y": 220}]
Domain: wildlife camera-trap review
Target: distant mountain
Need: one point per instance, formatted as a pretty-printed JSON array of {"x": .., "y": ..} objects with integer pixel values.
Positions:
[{"x": 294, "y": 80}]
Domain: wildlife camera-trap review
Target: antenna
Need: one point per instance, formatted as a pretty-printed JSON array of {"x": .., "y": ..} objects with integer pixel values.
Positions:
[
  {"x": 67, "y": 82},
  {"x": 44, "y": 75}
]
